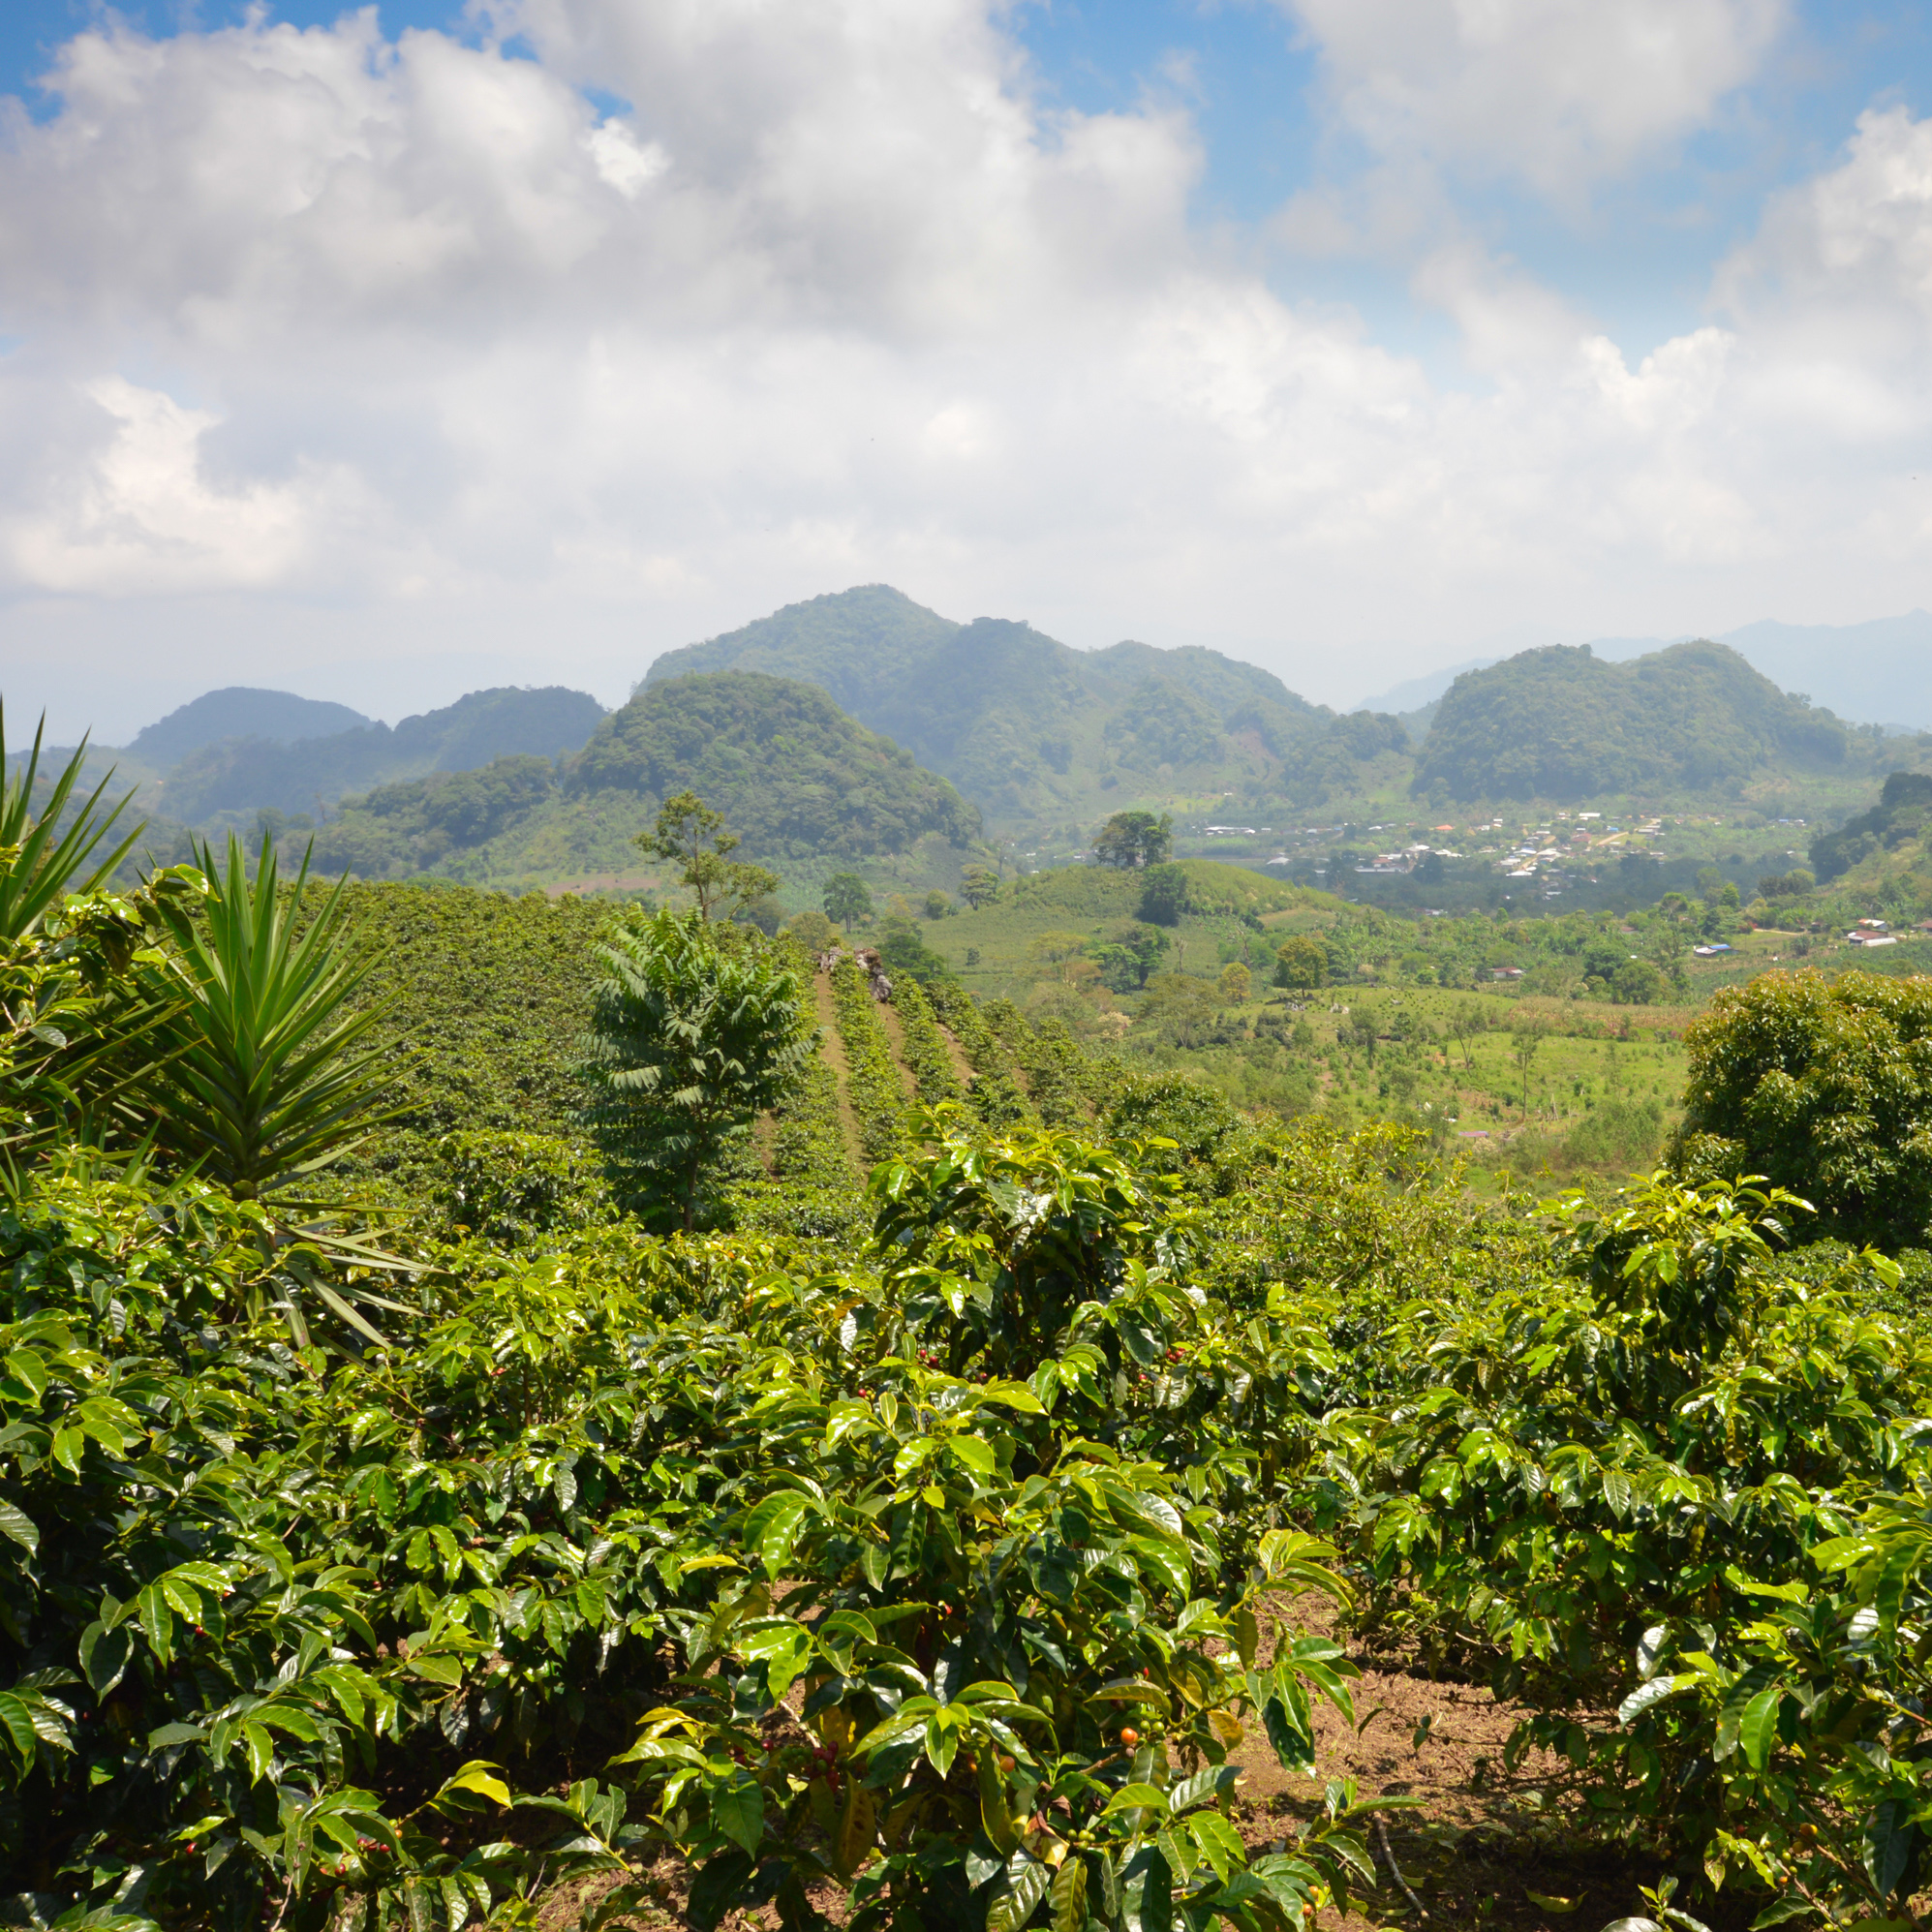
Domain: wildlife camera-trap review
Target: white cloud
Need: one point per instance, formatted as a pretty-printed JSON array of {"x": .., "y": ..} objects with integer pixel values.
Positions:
[
  {"x": 1559, "y": 92},
  {"x": 473, "y": 374}
]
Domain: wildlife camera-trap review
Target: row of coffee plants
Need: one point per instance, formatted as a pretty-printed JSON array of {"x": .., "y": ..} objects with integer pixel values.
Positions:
[
  {"x": 872, "y": 1080},
  {"x": 997, "y": 1098},
  {"x": 925, "y": 1048}
]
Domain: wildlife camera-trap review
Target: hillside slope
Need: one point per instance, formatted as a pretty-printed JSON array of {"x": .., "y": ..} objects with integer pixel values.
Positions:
[{"x": 1562, "y": 724}]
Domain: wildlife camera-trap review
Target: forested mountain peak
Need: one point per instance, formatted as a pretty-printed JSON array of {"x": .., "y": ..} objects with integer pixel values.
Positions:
[
  {"x": 1029, "y": 727},
  {"x": 1562, "y": 724}
]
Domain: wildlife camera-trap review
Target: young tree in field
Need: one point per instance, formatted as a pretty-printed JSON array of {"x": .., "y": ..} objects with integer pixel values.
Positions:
[
  {"x": 1526, "y": 1039},
  {"x": 979, "y": 885},
  {"x": 1236, "y": 980},
  {"x": 848, "y": 900},
  {"x": 1301, "y": 962},
  {"x": 692, "y": 837},
  {"x": 690, "y": 1041},
  {"x": 1462, "y": 1026},
  {"x": 1134, "y": 838},
  {"x": 1056, "y": 948}
]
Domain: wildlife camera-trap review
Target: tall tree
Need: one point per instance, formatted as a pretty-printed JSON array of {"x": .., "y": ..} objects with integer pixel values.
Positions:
[
  {"x": 693, "y": 836},
  {"x": 1134, "y": 838},
  {"x": 848, "y": 898},
  {"x": 692, "y": 1037},
  {"x": 979, "y": 885},
  {"x": 1301, "y": 962}
]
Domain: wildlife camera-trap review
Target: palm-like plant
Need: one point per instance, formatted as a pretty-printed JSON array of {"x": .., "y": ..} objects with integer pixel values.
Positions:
[
  {"x": 42, "y": 861},
  {"x": 270, "y": 1077}
]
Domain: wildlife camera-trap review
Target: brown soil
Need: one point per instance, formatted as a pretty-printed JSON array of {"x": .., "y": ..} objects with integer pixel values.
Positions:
[
  {"x": 834, "y": 1050},
  {"x": 895, "y": 1034}
]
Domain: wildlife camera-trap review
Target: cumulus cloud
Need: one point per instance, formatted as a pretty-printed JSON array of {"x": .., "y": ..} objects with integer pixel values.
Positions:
[
  {"x": 312, "y": 321},
  {"x": 1560, "y": 93}
]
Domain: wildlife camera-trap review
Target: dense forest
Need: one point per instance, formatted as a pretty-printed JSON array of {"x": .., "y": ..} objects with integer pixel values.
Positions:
[
  {"x": 566, "y": 1413},
  {"x": 1559, "y": 723}
]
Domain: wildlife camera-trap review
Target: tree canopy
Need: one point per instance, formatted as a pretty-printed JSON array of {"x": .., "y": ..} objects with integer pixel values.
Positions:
[{"x": 1132, "y": 838}]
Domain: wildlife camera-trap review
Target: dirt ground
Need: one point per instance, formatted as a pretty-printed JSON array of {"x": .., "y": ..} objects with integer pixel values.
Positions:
[{"x": 1487, "y": 1850}]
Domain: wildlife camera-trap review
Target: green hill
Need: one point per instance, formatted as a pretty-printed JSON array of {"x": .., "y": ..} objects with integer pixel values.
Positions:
[
  {"x": 794, "y": 776},
  {"x": 1560, "y": 724},
  {"x": 1033, "y": 730}
]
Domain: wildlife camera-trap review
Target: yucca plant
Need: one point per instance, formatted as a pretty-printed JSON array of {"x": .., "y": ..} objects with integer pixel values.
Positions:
[
  {"x": 40, "y": 861},
  {"x": 271, "y": 1076}
]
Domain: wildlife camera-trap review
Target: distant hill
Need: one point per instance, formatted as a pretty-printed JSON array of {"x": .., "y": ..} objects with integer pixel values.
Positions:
[
  {"x": 1562, "y": 724},
  {"x": 241, "y": 775},
  {"x": 793, "y": 775},
  {"x": 1878, "y": 672},
  {"x": 1029, "y": 727},
  {"x": 240, "y": 712}
]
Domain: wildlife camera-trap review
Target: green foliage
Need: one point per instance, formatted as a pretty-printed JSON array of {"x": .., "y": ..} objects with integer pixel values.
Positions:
[
  {"x": 1618, "y": 1136},
  {"x": 996, "y": 1097},
  {"x": 690, "y": 1037},
  {"x": 1904, "y": 804},
  {"x": 409, "y": 827},
  {"x": 1301, "y": 962},
  {"x": 872, "y": 1080},
  {"x": 44, "y": 844},
  {"x": 848, "y": 900},
  {"x": 269, "y": 1074},
  {"x": 907, "y": 954},
  {"x": 481, "y": 1005},
  {"x": 784, "y": 764},
  {"x": 1630, "y": 1461},
  {"x": 979, "y": 885},
  {"x": 925, "y": 1051},
  {"x": 1134, "y": 838},
  {"x": 245, "y": 774},
  {"x": 1826, "y": 1088},
  {"x": 690, "y": 833},
  {"x": 1164, "y": 895},
  {"x": 516, "y": 1188},
  {"x": 1559, "y": 723}
]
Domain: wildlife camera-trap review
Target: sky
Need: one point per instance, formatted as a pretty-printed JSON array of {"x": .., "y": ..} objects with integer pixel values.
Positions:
[{"x": 382, "y": 354}]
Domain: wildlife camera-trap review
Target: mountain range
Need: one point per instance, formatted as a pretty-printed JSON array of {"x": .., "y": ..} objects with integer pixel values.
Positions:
[{"x": 860, "y": 726}]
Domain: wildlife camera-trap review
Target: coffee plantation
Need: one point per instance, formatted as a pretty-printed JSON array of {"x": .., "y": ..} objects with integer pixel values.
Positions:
[{"x": 932, "y": 1509}]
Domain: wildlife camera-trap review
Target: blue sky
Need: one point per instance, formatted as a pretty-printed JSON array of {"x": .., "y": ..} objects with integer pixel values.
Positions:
[{"x": 1349, "y": 336}]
